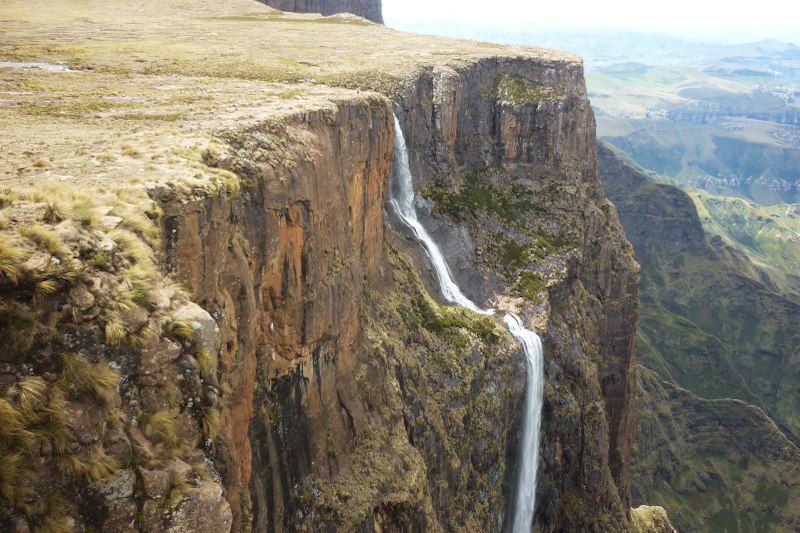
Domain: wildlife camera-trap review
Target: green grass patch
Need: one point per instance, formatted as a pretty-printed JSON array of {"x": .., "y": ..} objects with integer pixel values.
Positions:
[
  {"x": 478, "y": 193},
  {"x": 519, "y": 90}
]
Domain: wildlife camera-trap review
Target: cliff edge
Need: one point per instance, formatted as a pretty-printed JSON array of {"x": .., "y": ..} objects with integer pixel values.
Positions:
[
  {"x": 368, "y": 9},
  {"x": 212, "y": 323}
]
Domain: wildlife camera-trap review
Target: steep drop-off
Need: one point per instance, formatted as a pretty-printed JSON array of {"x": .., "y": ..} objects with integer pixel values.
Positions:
[
  {"x": 216, "y": 326},
  {"x": 721, "y": 349},
  {"x": 369, "y": 9}
]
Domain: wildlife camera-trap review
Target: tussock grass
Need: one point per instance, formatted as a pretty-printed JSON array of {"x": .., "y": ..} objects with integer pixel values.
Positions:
[
  {"x": 162, "y": 427},
  {"x": 141, "y": 280},
  {"x": 46, "y": 239},
  {"x": 84, "y": 214},
  {"x": 57, "y": 513},
  {"x": 43, "y": 289},
  {"x": 180, "y": 330},
  {"x": 81, "y": 377},
  {"x": 115, "y": 333},
  {"x": 92, "y": 464},
  {"x": 178, "y": 486},
  {"x": 132, "y": 247},
  {"x": 211, "y": 423},
  {"x": 13, "y": 427},
  {"x": 51, "y": 421},
  {"x": 14, "y": 477},
  {"x": 130, "y": 151},
  {"x": 11, "y": 260},
  {"x": 142, "y": 226},
  {"x": 207, "y": 364},
  {"x": 200, "y": 470},
  {"x": 23, "y": 326},
  {"x": 32, "y": 396},
  {"x": 53, "y": 213},
  {"x": 101, "y": 260},
  {"x": 6, "y": 199}
]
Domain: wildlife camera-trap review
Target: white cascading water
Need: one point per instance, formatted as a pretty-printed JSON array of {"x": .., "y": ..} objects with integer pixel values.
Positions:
[
  {"x": 401, "y": 198},
  {"x": 529, "y": 451}
]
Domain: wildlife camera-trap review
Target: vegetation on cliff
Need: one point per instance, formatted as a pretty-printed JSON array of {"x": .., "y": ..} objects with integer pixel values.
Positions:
[
  {"x": 445, "y": 368},
  {"x": 192, "y": 261}
]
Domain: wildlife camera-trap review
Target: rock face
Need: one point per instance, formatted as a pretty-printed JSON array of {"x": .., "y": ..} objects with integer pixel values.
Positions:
[
  {"x": 332, "y": 381},
  {"x": 237, "y": 337},
  {"x": 494, "y": 127},
  {"x": 369, "y": 9}
]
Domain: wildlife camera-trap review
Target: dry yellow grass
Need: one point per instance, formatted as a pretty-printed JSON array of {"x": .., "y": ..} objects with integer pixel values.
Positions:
[{"x": 154, "y": 80}]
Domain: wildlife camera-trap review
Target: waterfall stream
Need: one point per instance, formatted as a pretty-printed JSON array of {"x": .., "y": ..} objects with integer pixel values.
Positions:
[{"x": 401, "y": 198}]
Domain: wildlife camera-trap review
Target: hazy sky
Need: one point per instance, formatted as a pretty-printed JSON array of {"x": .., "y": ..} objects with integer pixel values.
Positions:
[{"x": 644, "y": 15}]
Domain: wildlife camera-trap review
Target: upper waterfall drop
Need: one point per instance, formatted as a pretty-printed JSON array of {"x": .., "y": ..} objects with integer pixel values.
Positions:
[
  {"x": 403, "y": 203},
  {"x": 402, "y": 200}
]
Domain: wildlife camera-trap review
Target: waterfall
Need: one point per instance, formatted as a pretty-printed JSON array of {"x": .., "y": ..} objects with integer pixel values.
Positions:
[
  {"x": 532, "y": 421},
  {"x": 401, "y": 198}
]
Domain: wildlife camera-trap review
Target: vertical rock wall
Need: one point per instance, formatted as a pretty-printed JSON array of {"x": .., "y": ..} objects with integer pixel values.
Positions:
[
  {"x": 369, "y": 9},
  {"x": 540, "y": 131},
  {"x": 353, "y": 399}
]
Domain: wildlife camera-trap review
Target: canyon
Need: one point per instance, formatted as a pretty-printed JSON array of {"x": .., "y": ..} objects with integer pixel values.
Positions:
[
  {"x": 212, "y": 322},
  {"x": 717, "y": 426}
]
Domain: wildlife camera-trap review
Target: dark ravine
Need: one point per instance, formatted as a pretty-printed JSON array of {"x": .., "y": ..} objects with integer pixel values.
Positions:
[{"x": 369, "y": 9}]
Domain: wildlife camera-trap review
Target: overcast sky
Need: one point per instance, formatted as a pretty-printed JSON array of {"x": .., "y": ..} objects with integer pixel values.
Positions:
[{"x": 675, "y": 16}]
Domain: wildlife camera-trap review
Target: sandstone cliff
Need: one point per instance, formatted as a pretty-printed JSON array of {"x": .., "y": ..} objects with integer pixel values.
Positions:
[
  {"x": 369, "y": 9},
  {"x": 215, "y": 326}
]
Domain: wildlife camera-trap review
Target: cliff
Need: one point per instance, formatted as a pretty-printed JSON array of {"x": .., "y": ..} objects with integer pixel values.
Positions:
[
  {"x": 716, "y": 436},
  {"x": 369, "y": 9},
  {"x": 212, "y": 323}
]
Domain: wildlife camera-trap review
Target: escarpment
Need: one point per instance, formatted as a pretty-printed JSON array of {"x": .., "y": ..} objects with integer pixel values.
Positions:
[
  {"x": 512, "y": 190},
  {"x": 269, "y": 351},
  {"x": 717, "y": 351},
  {"x": 369, "y": 9}
]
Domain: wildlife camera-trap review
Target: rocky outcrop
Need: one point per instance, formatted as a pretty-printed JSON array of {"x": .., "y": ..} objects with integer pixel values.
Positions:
[
  {"x": 369, "y": 9},
  {"x": 650, "y": 519}
]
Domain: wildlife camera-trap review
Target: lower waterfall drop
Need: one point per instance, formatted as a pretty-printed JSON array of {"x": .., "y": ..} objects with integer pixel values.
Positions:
[
  {"x": 401, "y": 198},
  {"x": 529, "y": 448}
]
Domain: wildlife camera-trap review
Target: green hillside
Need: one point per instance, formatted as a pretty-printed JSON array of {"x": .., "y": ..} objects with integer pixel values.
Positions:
[
  {"x": 714, "y": 328},
  {"x": 770, "y": 235}
]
